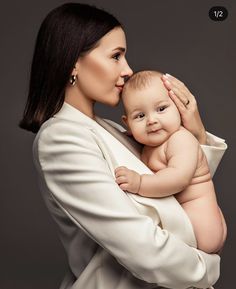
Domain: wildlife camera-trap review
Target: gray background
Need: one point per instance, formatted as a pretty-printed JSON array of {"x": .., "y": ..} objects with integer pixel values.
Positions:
[{"x": 173, "y": 36}]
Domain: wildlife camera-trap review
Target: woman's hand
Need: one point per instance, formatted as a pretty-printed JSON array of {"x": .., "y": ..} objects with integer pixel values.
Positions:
[
  {"x": 128, "y": 180},
  {"x": 187, "y": 106}
]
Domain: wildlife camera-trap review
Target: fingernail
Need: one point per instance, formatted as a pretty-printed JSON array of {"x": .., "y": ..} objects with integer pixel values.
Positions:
[
  {"x": 168, "y": 75},
  {"x": 165, "y": 76}
]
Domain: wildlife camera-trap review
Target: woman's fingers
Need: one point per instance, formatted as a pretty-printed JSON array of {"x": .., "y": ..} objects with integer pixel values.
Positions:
[
  {"x": 178, "y": 102},
  {"x": 179, "y": 88},
  {"x": 180, "y": 94},
  {"x": 187, "y": 106},
  {"x": 176, "y": 83}
]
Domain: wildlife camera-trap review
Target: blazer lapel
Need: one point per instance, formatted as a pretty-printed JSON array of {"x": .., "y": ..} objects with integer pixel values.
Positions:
[{"x": 127, "y": 141}]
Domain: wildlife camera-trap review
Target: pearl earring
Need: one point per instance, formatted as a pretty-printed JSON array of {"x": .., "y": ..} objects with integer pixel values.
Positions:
[{"x": 73, "y": 80}]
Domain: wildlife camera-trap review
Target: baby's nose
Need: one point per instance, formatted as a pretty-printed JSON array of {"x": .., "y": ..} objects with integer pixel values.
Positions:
[{"x": 152, "y": 119}]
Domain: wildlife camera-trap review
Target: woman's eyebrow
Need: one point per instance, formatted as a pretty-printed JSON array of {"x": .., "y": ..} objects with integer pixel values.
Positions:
[{"x": 122, "y": 49}]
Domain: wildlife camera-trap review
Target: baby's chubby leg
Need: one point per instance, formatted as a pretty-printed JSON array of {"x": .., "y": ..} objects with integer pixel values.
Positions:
[
  {"x": 208, "y": 222},
  {"x": 224, "y": 226}
]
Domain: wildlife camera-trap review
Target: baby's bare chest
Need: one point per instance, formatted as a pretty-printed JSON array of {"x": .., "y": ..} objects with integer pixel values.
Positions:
[{"x": 155, "y": 158}]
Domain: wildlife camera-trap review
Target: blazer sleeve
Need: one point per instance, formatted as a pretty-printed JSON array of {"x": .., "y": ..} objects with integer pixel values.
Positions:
[
  {"x": 79, "y": 179},
  {"x": 214, "y": 151}
]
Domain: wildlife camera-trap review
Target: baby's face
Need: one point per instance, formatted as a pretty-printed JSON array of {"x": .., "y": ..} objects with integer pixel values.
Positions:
[{"x": 151, "y": 115}]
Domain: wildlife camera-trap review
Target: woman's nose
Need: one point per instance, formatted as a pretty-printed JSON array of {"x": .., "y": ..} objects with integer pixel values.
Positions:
[{"x": 127, "y": 71}]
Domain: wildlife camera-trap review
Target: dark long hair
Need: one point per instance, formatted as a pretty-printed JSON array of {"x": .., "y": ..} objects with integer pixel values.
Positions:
[{"x": 67, "y": 32}]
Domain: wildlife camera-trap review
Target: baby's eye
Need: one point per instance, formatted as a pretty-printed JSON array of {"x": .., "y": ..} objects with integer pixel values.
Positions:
[
  {"x": 140, "y": 115},
  {"x": 161, "y": 108},
  {"x": 117, "y": 56}
]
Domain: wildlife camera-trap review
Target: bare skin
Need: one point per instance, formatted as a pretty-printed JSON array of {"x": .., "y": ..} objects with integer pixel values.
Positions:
[{"x": 177, "y": 160}]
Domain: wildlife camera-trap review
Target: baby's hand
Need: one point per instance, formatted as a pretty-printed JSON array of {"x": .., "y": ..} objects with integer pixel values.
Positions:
[{"x": 128, "y": 180}]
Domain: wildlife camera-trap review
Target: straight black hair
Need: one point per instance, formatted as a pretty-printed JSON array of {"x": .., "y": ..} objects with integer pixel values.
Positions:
[{"x": 67, "y": 32}]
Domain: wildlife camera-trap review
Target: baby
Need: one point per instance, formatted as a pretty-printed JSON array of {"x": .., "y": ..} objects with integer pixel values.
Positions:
[{"x": 173, "y": 154}]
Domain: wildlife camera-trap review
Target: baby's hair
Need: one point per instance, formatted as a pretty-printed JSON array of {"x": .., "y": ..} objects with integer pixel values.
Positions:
[{"x": 141, "y": 79}]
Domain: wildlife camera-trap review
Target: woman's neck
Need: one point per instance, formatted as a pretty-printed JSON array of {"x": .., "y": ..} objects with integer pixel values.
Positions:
[{"x": 79, "y": 101}]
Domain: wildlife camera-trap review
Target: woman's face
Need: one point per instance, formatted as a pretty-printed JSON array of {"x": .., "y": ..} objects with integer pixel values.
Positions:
[{"x": 102, "y": 71}]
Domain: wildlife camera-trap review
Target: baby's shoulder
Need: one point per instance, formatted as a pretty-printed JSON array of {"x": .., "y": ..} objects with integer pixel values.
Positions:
[
  {"x": 183, "y": 133},
  {"x": 182, "y": 137}
]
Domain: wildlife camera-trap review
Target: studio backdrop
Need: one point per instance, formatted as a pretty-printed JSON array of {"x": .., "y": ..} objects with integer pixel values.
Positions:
[{"x": 177, "y": 37}]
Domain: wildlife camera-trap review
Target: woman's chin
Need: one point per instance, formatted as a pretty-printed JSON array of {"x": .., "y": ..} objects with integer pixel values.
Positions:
[{"x": 114, "y": 102}]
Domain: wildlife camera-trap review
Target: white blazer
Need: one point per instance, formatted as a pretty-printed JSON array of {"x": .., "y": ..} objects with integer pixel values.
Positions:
[{"x": 113, "y": 239}]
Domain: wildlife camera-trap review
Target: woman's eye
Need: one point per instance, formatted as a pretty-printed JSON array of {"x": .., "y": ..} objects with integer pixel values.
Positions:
[{"x": 116, "y": 56}]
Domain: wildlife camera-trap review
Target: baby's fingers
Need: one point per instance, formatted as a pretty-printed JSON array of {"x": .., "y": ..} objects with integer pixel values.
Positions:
[
  {"x": 124, "y": 187},
  {"x": 121, "y": 180},
  {"x": 120, "y": 171}
]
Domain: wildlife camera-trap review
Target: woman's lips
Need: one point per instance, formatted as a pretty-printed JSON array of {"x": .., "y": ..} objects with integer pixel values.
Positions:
[{"x": 120, "y": 88}]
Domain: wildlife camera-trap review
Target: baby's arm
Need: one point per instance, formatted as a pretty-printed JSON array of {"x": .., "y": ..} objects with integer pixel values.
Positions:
[
  {"x": 128, "y": 180},
  {"x": 182, "y": 157}
]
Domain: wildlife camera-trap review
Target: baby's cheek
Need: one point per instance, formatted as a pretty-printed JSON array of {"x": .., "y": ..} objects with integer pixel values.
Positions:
[
  {"x": 138, "y": 136},
  {"x": 144, "y": 139}
]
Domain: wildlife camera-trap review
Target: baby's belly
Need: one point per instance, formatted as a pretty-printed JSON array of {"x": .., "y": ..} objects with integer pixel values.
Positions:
[{"x": 195, "y": 191}]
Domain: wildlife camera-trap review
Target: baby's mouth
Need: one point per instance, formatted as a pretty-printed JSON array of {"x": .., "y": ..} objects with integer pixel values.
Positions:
[{"x": 154, "y": 130}]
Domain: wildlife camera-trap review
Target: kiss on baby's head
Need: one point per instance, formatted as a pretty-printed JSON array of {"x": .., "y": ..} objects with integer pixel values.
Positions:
[{"x": 141, "y": 80}]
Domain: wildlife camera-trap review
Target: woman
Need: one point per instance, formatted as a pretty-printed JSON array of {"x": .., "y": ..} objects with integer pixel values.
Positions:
[{"x": 112, "y": 239}]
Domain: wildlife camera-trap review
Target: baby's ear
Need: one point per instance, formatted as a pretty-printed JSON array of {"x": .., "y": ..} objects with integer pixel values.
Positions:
[{"x": 125, "y": 122}]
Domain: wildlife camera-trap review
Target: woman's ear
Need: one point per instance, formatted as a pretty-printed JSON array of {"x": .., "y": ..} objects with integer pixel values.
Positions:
[
  {"x": 75, "y": 69},
  {"x": 74, "y": 75}
]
